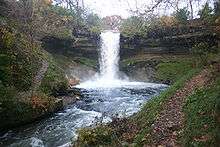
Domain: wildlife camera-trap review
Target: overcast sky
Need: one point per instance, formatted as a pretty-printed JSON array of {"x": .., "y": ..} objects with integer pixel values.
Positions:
[{"x": 122, "y": 7}]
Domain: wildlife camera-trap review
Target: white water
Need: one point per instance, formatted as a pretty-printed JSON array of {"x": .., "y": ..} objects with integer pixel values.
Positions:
[
  {"x": 109, "y": 66},
  {"x": 121, "y": 98},
  {"x": 109, "y": 56}
]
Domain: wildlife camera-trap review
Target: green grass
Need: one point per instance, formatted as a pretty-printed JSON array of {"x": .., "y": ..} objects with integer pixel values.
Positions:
[
  {"x": 202, "y": 110},
  {"x": 170, "y": 71},
  {"x": 144, "y": 119},
  {"x": 150, "y": 111},
  {"x": 86, "y": 61},
  {"x": 54, "y": 79},
  {"x": 63, "y": 61}
]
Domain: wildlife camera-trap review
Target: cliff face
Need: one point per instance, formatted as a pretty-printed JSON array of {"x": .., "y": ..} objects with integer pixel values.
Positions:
[
  {"x": 177, "y": 40},
  {"x": 85, "y": 45}
]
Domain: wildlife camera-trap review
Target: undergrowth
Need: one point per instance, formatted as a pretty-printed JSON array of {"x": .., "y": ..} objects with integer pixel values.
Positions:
[{"x": 202, "y": 112}]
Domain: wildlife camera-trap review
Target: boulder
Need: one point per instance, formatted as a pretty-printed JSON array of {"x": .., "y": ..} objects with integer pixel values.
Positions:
[{"x": 73, "y": 82}]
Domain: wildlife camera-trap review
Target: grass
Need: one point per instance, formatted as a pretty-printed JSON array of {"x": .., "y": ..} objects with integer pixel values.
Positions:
[
  {"x": 63, "y": 61},
  {"x": 150, "y": 111},
  {"x": 143, "y": 119},
  {"x": 170, "y": 71},
  {"x": 87, "y": 62},
  {"x": 202, "y": 126},
  {"x": 54, "y": 79}
]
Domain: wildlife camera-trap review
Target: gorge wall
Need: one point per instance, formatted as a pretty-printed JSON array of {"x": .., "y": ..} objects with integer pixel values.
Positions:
[{"x": 176, "y": 40}]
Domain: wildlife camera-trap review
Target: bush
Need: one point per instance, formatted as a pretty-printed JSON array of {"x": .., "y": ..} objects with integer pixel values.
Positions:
[
  {"x": 202, "y": 51},
  {"x": 94, "y": 136},
  {"x": 19, "y": 60}
]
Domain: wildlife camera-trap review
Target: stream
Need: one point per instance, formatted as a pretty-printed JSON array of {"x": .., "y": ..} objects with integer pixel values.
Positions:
[
  {"x": 105, "y": 96},
  {"x": 97, "y": 105}
]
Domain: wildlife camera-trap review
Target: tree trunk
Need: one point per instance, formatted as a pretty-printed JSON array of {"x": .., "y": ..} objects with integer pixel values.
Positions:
[{"x": 191, "y": 9}]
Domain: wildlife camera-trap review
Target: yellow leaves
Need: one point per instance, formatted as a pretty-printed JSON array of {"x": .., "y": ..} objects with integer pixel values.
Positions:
[
  {"x": 38, "y": 102},
  {"x": 167, "y": 21},
  {"x": 203, "y": 138},
  {"x": 6, "y": 37}
]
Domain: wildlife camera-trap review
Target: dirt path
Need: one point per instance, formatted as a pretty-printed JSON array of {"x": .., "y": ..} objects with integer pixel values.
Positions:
[{"x": 170, "y": 120}]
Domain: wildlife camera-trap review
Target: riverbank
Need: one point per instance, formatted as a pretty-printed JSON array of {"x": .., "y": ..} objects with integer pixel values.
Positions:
[{"x": 138, "y": 130}]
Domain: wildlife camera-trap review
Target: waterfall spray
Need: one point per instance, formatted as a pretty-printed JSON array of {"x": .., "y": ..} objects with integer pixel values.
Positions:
[
  {"x": 108, "y": 76},
  {"x": 109, "y": 55}
]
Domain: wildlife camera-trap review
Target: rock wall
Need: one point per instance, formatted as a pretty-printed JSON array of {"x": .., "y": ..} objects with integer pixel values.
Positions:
[
  {"x": 167, "y": 40},
  {"x": 82, "y": 46}
]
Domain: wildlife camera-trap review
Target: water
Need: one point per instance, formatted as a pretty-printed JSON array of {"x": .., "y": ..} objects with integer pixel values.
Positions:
[
  {"x": 105, "y": 96},
  {"x": 61, "y": 128},
  {"x": 109, "y": 55}
]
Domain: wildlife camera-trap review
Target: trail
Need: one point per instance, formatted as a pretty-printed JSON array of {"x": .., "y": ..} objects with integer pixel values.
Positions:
[{"x": 171, "y": 119}]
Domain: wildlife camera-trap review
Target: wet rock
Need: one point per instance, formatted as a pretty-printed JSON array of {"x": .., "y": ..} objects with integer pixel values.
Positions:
[{"x": 73, "y": 82}]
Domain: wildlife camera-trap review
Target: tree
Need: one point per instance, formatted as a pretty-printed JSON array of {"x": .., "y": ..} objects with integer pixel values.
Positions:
[
  {"x": 206, "y": 13},
  {"x": 167, "y": 21},
  {"x": 94, "y": 23},
  {"x": 182, "y": 15},
  {"x": 202, "y": 50},
  {"x": 217, "y": 8},
  {"x": 133, "y": 26}
]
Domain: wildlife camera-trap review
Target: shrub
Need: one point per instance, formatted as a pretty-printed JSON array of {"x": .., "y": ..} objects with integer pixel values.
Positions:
[
  {"x": 202, "y": 51},
  {"x": 95, "y": 136}
]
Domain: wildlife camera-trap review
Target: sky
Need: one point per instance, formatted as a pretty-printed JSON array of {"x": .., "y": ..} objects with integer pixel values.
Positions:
[{"x": 122, "y": 7}]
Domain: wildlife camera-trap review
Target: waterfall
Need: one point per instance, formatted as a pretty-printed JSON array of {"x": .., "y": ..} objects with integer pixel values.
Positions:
[
  {"x": 108, "y": 77},
  {"x": 109, "y": 55}
]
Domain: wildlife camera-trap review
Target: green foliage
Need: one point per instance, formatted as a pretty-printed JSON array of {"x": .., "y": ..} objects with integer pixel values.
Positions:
[
  {"x": 202, "y": 51},
  {"x": 94, "y": 23},
  {"x": 19, "y": 62},
  {"x": 202, "y": 110},
  {"x": 94, "y": 136},
  {"x": 182, "y": 15},
  {"x": 133, "y": 26},
  {"x": 206, "y": 13},
  {"x": 170, "y": 72},
  {"x": 54, "y": 80},
  {"x": 16, "y": 64},
  {"x": 146, "y": 117}
]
